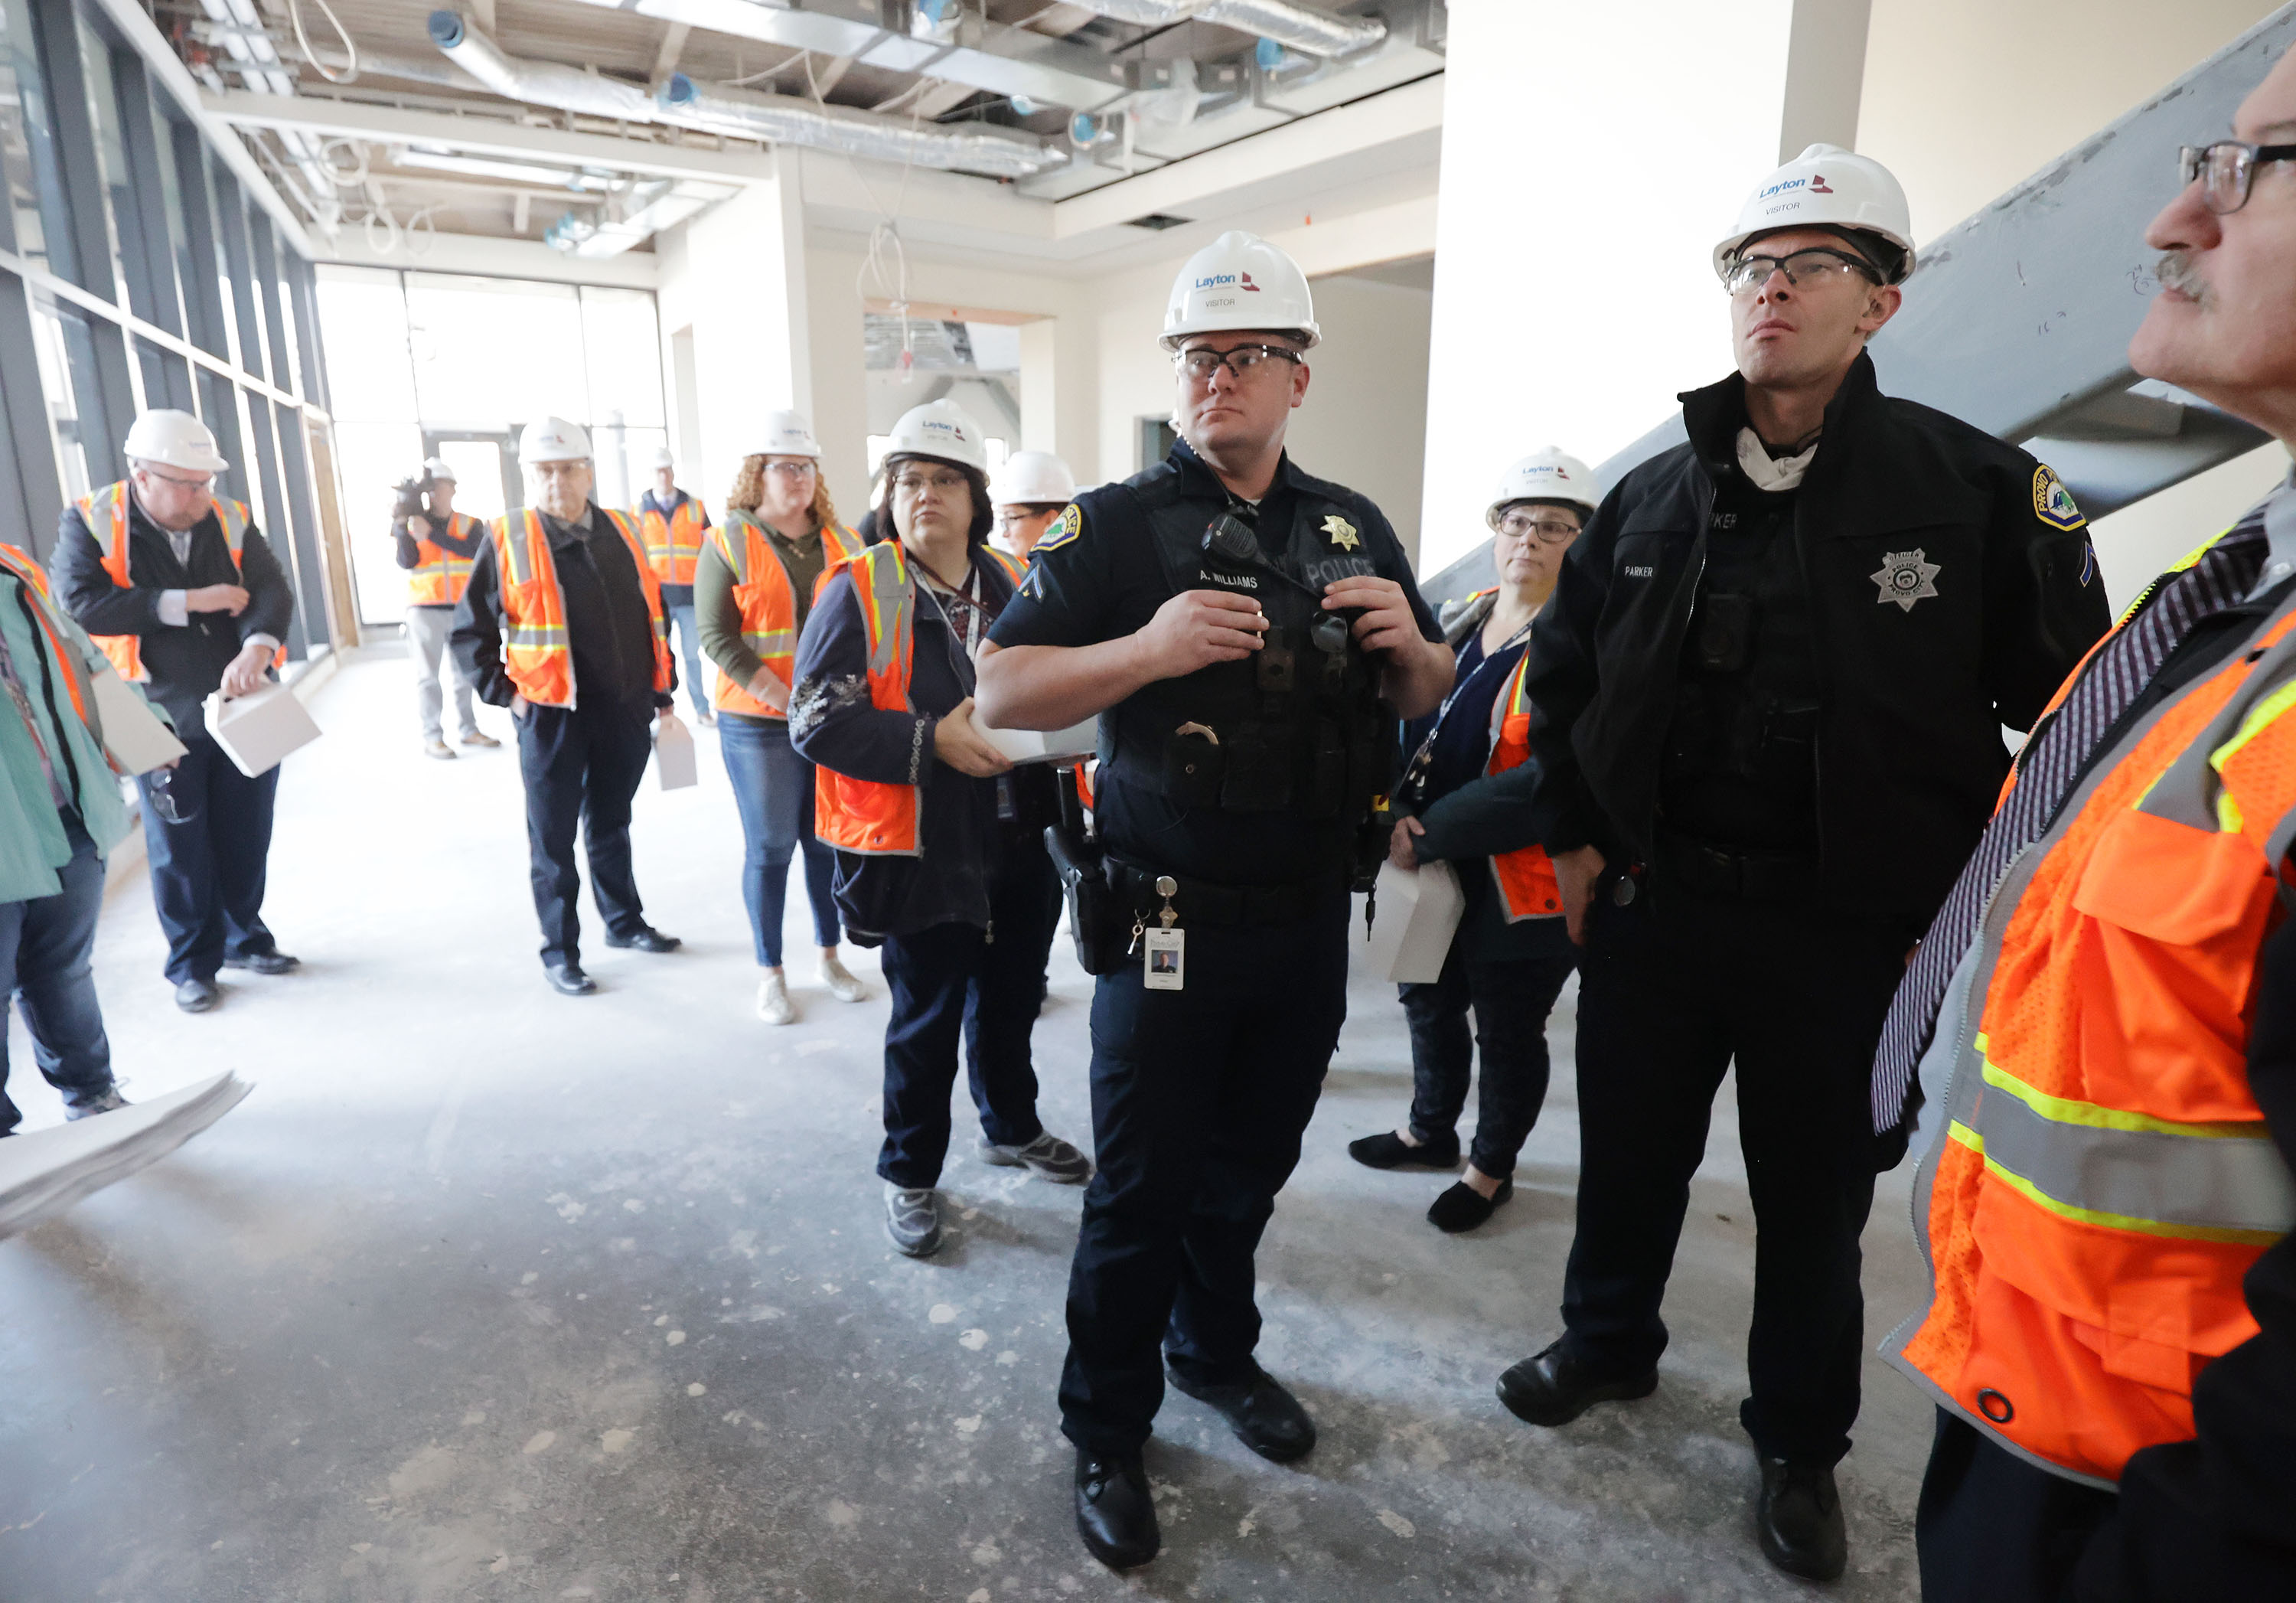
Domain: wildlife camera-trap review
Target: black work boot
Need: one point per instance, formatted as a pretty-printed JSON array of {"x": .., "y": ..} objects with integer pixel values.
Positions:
[
  {"x": 1265, "y": 1416},
  {"x": 1115, "y": 1513},
  {"x": 1552, "y": 1388},
  {"x": 1800, "y": 1520}
]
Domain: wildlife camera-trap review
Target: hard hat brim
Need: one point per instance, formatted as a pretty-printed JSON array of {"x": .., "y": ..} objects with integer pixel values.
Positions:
[
  {"x": 1737, "y": 243},
  {"x": 1308, "y": 334}
]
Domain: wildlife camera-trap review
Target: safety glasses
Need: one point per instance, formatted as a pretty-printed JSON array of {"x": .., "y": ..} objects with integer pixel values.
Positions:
[
  {"x": 1197, "y": 367},
  {"x": 1744, "y": 273}
]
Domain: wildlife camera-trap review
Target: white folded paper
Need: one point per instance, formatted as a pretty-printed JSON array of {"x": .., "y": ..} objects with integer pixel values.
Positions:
[
  {"x": 45, "y": 1172},
  {"x": 255, "y": 730},
  {"x": 133, "y": 733},
  {"x": 673, "y": 755},
  {"x": 1415, "y": 914},
  {"x": 1043, "y": 746}
]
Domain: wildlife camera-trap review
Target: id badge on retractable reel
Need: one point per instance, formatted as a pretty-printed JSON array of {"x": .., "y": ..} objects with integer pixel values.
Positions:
[{"x": 1164, "y": 954}]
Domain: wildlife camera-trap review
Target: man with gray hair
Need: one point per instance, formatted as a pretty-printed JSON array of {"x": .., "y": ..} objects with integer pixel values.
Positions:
[{"x": 2099, "y": 1033}]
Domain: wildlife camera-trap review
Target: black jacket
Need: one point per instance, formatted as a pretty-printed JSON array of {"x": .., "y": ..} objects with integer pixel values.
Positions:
[
  {"x": 964, "y": 848},
  {"x": 185, "y": 664},
  {"x": 1912, "y": 699},
  {"x": 608, "y": 623}
]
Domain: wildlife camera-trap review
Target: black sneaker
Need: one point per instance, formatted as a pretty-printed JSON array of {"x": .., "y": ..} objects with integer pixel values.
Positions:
[
  {"x": 1115, "y": 1513},
  {"x": 645, "y": 938},
  {"x": 1800, "y": 1520},
  {"x": 197, "y": 996},
  {"x": 1387, "y": 1150},
  {"x": 107, "y": 1101},
  {"x": 1461, "y": 1207},
  {"x": 273, "y": 962},
  {"x": 1265, "y": 1416},
  {"x": 1550, "y": 1388}
]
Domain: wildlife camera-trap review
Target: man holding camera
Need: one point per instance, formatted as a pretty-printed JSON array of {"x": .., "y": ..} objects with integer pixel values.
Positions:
[{"x": 436, "y": 546}]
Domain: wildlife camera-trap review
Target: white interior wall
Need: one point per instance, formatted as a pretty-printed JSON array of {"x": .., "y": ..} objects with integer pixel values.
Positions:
[
  {"x": 1640, "y": 132},
  {"x": 1365, "y": 418}
]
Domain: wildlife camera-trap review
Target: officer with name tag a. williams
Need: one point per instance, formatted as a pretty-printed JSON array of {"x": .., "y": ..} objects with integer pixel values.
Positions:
[{"x": 1249, "y": 635}]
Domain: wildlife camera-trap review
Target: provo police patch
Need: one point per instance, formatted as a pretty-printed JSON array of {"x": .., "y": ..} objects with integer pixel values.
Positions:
[
  {"x": 2052, "y": 503},
  {"x": 1065, "y": 528}
]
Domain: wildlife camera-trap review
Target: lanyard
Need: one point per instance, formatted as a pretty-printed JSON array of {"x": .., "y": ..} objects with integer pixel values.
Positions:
[{"x": 1415, "y": 773}]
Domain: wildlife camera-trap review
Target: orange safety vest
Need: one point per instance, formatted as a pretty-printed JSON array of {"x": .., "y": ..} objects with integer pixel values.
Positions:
[
  {"x": 861, "y": 815},
  {"x": 769, "y": 603},
  {"x": 52, "y": 623},
  {"x": 2104, "y": 1176},
  {"x": 538, "y": 655},
  {"x": 105, "y": 512},
  {"x": 440, "y": 577},
  {"x": 1525, "y": 876},
  {"x": 673, "y": 544}
]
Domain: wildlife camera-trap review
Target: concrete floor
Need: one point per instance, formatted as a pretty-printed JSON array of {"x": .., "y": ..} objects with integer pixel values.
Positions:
[{"x": 489, "y": 1294}]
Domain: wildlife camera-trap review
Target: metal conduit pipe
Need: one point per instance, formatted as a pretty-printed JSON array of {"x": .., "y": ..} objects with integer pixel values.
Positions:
[
  {"x": 1295, "y": 26},
  {"x": 789, "y": 120},
  {"x": 538, "y": 83}
]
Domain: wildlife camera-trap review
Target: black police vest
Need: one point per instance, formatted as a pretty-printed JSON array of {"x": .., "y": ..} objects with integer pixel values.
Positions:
[
  {"x": 1295, "y": 728},
  {"x": 1741, "y": 765}
]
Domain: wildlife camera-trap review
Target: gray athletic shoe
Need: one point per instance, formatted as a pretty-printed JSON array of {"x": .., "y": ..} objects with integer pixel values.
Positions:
[
  {"x": 913, "y": 1220},
  {"x": 1047, "y": 1154}
]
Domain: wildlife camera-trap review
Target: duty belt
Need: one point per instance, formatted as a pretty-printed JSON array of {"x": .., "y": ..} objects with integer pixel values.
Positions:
[
  {"x": 1200, "y": 902},
  {"x": 1727, "y": 873}
]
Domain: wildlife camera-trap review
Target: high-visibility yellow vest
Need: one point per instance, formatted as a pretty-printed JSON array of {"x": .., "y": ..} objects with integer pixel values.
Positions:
[
  {"x": 861, "y": 815},
  {"x": 673, "y": 544},
  {"x": 769, "y": 604},
  {"x": 439, "y": 577}
]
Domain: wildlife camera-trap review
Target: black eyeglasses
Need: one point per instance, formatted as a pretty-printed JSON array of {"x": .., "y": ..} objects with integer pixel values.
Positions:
[
  {"x": 1199, "y": 366},
  {"x": 2225, "y": 169},
  {"x": 1743, "y": 273}
]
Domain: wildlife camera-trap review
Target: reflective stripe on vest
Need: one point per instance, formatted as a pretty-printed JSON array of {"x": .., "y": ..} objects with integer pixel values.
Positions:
[
  {"x": 1525, "y": 876},
  {"x": 861, "y": 815},
  {"x": 768, "y": 603},
  {"x": 673, "y": 543},
  {"x": 58, "y": 631},
  {"x": 105, "y": 512},
  {"x": 537, "y": 653},
  {"x": 2105, "y": 1176},
  {"x": 439, "y": 577}
]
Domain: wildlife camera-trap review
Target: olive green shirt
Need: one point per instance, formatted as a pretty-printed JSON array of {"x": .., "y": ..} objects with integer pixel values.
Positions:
[{"x": 719, "y": 614}]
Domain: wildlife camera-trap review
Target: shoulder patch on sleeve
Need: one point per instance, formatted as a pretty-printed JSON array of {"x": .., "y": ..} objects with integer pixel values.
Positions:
[
  {"x": 2052, "y": 503},
  {"x": 1065, "y": 528}
]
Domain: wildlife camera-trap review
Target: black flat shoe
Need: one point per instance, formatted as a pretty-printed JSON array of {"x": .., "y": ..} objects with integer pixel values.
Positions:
[
  {"x": 197, "y": 996},
  {"x": 1461, "y": 1207},
  {"x": 569, "y": 979},
  {"x": 1265, "y": 1416},
  {"x": 1800, "y": 1520},
  {"x": 1387, "y": 1150},
  {"x": 1115, "y": 1514},
  {"x": 647, "y": 940},
  {"x": 1551, "y": 1389},
  {"x": 264, "y": 963}
]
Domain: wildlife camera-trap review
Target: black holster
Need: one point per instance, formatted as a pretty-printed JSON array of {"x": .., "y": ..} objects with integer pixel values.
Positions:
[{"x": 1095, "y": 922}]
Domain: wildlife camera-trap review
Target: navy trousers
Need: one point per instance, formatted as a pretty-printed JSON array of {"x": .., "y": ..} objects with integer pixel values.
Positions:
[
  {"x": 1511, "y": 999},
  {"x": 208, "y": 872},
  {"x": 582, "y": 764},
  {"x": 986, "y": 985},
  {"x": 1198, "y": 1099},
  {"x": 1671, "y": 991},
  {"x": 44, "y": 964}
]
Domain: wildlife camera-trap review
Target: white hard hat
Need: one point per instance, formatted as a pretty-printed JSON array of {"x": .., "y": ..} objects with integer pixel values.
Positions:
[
  {"x": 1031, "y": 478},
  {"x": 1549, "y": 474},
  {"x": 1828, "y": 187},
  {"x": 943, "y": 430},
  {"x": 787, "y": 434},
  {"x": 663, "y": 458},
  {"x": 438, "y": 467},
  {"x": 174, "y": 439},
  {"x": 1240, "y": 281},
  {"x": 553, "y": 439}
]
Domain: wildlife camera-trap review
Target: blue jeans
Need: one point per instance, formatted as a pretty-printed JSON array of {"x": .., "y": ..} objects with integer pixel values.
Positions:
[
  {"x": 773, "y": 790},
  {"x": 680, "y": 616},
  {"x": 44, "y": 964}
]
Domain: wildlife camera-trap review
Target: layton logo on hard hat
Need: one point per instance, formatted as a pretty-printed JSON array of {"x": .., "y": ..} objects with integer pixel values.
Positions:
[
  {"x": 1905, "y": 577},
  {"x": 1248, "y": 284},
  {"x": 1818, "y": 185}
]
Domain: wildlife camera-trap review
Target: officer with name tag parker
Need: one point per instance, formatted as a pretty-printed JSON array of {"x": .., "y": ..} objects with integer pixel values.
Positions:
[{"x": 1248, "y": 635}]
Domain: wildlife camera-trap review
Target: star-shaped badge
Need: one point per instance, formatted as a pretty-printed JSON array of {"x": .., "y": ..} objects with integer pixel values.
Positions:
[
  {"x": 1342, "y": 533},
  {"x": 1905, "y": 578}
]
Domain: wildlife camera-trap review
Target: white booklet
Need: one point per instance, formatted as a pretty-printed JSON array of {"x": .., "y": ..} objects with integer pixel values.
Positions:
[
  {"x": 673, "y": 755},
  {"x": 133, "y": 733},
  {"x": 255, "y": 730}
]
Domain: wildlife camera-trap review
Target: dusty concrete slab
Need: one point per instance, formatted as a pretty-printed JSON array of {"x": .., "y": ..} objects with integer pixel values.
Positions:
[{"x": 490, "y": 1294}]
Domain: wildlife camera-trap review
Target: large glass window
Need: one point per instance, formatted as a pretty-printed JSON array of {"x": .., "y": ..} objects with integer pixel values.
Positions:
[
  {"x": 363, "y": 312},
  {"x": 19, "y": 108},
  {"x": 56, "y": 333},
  {"x": 464, "y": 332},
  {"x": 117, "y": 201}
]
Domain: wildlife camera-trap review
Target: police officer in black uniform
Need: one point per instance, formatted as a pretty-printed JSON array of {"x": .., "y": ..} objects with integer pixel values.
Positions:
[
  {"x": 1767, "y": 702},
  {"x": 1248, "y": 635}
]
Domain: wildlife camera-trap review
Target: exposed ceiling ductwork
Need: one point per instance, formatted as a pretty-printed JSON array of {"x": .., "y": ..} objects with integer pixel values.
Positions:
[
  {"x": 977, "y": 148},
  {"x": 1299, "y": 28},
  {"x": 681, "y": 103}
]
